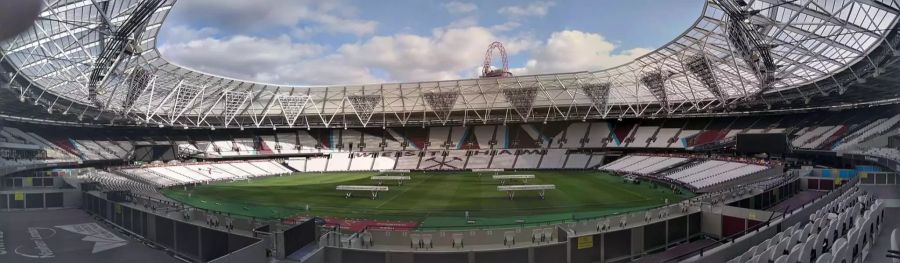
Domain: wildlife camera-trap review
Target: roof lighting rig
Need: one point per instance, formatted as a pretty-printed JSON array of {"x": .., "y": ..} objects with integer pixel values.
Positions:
[
  {"x": 749, "y": 44},
  {"x": 655, "y": 81},
  {"x": 119, "y": 45},
  {"x": 699, "y": 66}
]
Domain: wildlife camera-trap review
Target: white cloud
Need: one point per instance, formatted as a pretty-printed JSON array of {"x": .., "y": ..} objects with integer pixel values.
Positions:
[
  {"x": 510, "y": 25},
  {"x": 535, "y": 9},
  {"x": 455, "y": 7},
  {"x": 319, "y": 71},
  {"x": 182, "y": 33},
  {"x": 449, "y": 52},
  {"x": 464, "y": 22},
  {"x": 240, "y": 56},
  {"x": 573, "y": 50},
  {"x": 342, "y": 25},
  {"x": 446, "y": 54},
  {"x": 251, "y": 16}
]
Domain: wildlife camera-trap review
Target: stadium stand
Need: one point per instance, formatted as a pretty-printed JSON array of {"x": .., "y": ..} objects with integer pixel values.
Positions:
[
  {"x": 384, "y": 161},
  {"x": 361, "y": 162},
  {"x": 190, "y": 173},
  {"x": 574, "y": 135},
  {"x": 554, "y": 159},
  {"x": 408, "y": 161},
  {"x": 642, "y": 136},
  {"x": 297, "y": 163},
  {"x": 528, "y": 159},
  {"x": 889, "y": 153},
  {"x": 306, "y": 143},
  {"x": 633, "y": 163},
  {"x": 842, "y": 231},
  {"x": 316, "y": 164},
  {"x": 598, "y": 135},
  {"x": 455, "y": 160},
  {"x": 698, "y": 174},
  {"x": 503, "y": 159},
  {"x": 477, "y": 159},
  {"x": 484, "y": 135},
  {"x": 338, "y": 162},
  {"x": 372, "y": 141},
  {"x": 433, "y": 160},
  {"x": 577, "y": 161},
  {"x": 643, "y": 165},
  {"x": 396, "y": 140},
  {"x": 120, "y": 183},
  {"x": 873, "y": 129},
  {"x": 438, "y": 137}
]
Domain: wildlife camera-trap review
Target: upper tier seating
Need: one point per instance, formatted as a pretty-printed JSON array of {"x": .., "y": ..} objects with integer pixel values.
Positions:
[
  {"x": 598, "y": 135},
  {"x": 663, "y": 137},
  {"x": 641, "y": 136},
  {"x": 811, "y": 138},
  {"x": 873, "y": 129},
  {"x": 574, "y": 135},
  {"x": 372, "y": 142},
  {"x": 437, "y": 137},
  {"x": 306, "y": 142}
]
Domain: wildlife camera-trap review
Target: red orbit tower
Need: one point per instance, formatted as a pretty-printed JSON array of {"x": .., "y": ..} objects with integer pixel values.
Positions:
[{"x": 486, "y": 71}]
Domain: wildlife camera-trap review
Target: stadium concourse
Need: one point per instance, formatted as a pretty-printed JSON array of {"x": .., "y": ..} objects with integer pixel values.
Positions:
[{"x": 768, "y": 131}]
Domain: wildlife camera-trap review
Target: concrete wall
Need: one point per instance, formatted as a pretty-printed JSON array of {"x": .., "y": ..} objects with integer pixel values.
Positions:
[
  {"x": 169, "y": 230},
  {"x": 252, "y": 253},
  {"x": 879, "y": 178},
  {"x": 71, "y": 198}
]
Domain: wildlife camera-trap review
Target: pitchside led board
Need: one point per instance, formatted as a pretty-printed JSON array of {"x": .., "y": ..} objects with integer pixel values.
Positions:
[{"x": 770, "y": 143}]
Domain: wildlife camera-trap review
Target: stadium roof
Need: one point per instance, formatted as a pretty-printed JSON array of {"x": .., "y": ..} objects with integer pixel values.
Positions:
[{"x": 755, "y": 53}]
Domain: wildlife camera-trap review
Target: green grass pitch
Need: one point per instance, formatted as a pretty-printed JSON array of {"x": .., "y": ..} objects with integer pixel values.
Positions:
[{"x": 434, "y": 199}]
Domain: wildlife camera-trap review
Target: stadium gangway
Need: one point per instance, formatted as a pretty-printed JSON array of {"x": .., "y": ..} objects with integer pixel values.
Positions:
[
  {"x": 503, "y": 178},
  {"x": 397, "y": 178},
  {"x": 361, "y": 188},
  {"x": 512, "y": 189}
]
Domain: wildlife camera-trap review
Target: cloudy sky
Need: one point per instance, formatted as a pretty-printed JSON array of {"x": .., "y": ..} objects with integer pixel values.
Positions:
[{"x": 313, "y": 42}]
